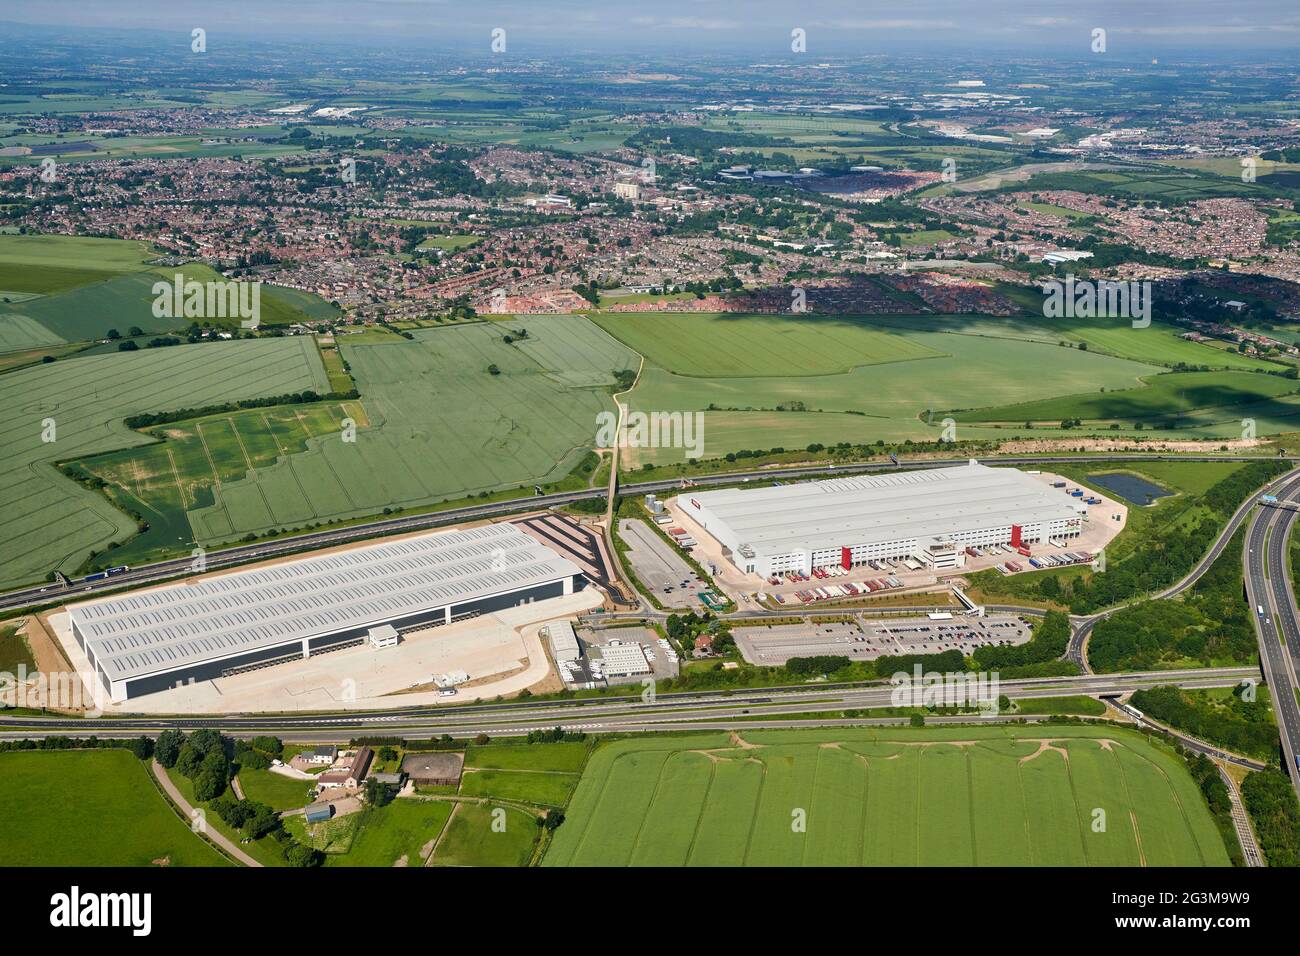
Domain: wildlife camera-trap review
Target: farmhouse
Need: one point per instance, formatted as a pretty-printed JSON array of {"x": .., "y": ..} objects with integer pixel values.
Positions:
[
  {"x": 928, "y": 515},
  {"x": 349, "y": 772},
  {"x": 149, "y": 641}
]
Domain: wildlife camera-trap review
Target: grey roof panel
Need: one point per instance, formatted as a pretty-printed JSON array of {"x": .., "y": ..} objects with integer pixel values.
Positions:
[
  {"x": 167, "y": 627},
  {"x": 816, "y": 515}
]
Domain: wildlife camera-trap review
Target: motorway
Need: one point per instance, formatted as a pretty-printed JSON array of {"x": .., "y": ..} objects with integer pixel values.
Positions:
[
  {"x": 243, "y": 554},
  {"x": 713, "y": 709},
  {"x": 1268, "y": 587},
  {"x": 696, "y": 710},
  {"x": 1283, "y": 487}
]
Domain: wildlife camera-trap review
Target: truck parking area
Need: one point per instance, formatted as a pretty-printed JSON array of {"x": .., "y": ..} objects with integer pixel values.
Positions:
[
  {"x": 661, "y": 569},
  {"x": 866, "y": 638}
]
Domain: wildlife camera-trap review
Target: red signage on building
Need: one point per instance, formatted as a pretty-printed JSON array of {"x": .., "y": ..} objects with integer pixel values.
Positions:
[{"x": 1015, "y": 536}]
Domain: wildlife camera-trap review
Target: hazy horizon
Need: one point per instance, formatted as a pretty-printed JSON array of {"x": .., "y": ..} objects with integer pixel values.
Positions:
[{"x": 760, "y": 28}]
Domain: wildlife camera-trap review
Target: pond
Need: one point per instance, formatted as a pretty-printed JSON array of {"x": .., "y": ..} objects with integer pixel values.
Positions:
[{"x": 1139, "y": 491}]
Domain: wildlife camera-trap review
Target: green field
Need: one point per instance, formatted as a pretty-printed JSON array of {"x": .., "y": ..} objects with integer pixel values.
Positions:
[
  {"x": 88, "y": 808},
  {"x": 1172, "y": 397},
  {"x": 712, "y": 344},
  {"x": 400, "y": 831},
  {"x": 759, "y": 387},
  {"x": 452, "y": 243},
  {"x": 979, "y": 796},
  {"x": 57, "y": 289},
  {"x": 1075, "y": 704},
  {"x": 51, "y": 521},
  {"x": 561, "y": 757},
  {"x": 471, "y": 840},
  {"x": 545, "y": 788},
  {"x": 15, "y": 652},
  {"x": 432, "y": 425},
  {"x": 275, "y": 790}
]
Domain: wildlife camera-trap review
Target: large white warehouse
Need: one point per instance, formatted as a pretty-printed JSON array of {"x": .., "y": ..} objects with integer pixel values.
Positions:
[
  {"x": 930, "y": 515},
  {"x": 152, "y": 640}
]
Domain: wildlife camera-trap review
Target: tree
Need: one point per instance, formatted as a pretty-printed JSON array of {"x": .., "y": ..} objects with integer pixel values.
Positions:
[
  {"x": 188, "y": 761},
  {"x": 205, "y": 741},
  {"x": 378, "y": 793},
  {"x": 168, "y": 747},
  {"x": 303, "y": 856},
  {"x": 260, "y": 820}
]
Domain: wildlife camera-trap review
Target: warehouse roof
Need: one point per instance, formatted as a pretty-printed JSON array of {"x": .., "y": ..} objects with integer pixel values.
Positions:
[
  {"x": 564, "y": 643},
  {"x": 165, "y": 628},
  {"x": 936, "y": 502}
]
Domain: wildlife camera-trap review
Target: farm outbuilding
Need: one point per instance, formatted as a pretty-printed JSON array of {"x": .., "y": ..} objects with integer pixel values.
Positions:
[{"x": 438, "y": 769}]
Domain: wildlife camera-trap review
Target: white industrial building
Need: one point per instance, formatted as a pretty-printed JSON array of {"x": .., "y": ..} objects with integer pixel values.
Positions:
[
  {"x": 148, "y": 641},
  {"x": 623, "y": 660},
  {"x": 930, "y": 515},
  {"x": 564, "y": 642}
]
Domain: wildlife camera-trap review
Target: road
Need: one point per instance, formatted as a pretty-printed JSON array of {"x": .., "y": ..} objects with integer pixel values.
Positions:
[
  {"x": 1271, "y": 598},
  {"x": 1284, "y": 487},
  {"x": 697, "y": 710},
  {"x": 210, "y": 833},
  {"x": 243, "y": 554}
]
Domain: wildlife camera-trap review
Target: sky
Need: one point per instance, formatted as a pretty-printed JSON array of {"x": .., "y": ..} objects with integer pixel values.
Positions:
[{"x": 833, "y": 28}]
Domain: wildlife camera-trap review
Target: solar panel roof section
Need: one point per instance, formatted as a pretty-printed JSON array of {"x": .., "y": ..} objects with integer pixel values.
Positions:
[
  {"x": 917, "y": 504},
  {"x": 188, "y": 623}
]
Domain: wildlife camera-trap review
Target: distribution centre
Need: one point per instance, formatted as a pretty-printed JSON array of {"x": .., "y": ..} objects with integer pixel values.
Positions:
[
  {"x": 149, "y": 641},
  {"x": 930, "y": 515}
]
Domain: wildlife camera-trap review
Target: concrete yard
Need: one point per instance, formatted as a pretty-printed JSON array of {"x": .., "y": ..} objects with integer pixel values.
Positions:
[{"x": 866, "y": 638}]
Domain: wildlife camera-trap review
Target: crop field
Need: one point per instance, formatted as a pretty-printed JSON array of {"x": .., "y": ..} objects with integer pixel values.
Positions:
[
  {"x": 194, "y": 460},
  {"x": 433, "y": 425},
  {"x": 1167, "y": 185},
  {"x": 89, "y": 808},
  {"x": 715, "y": 344},
  {"x": 890, "y": 797},
  {"x": 886, "y": 401},
  {"x": 1158, "y": 343},
  {"x": 697, "y": 362},
  {"x": 51, "y": 521},
  {"x": 1171, "y": 396},
  {"x": 59, "y": 289}
]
